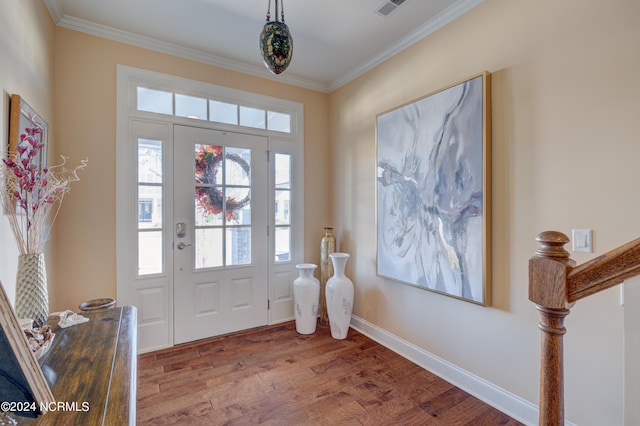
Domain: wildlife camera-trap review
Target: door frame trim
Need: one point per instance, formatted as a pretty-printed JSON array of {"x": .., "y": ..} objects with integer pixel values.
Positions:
[{"x": 128, "y": 78}]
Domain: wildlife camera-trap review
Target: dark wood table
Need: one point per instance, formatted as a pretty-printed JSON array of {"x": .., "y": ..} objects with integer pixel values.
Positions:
[{"x": 91, "y": 369}]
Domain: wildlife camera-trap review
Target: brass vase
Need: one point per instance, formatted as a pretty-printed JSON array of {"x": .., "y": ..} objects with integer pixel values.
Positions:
[
  {"x": 327, "y": 246},
  {"x": 32, "y": 297}
]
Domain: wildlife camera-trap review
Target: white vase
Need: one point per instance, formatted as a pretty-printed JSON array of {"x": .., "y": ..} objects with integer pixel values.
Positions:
[
  {"x": 339, "y": 292},
  {"x": 32, "y": 297},
  {"x": 306, "y": 295}
]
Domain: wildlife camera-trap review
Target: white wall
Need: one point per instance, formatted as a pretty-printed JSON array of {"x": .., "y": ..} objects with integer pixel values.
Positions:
[{"x": 632, "y": 351}]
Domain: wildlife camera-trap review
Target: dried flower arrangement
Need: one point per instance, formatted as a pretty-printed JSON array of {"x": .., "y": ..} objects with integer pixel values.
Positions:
[{"x": 32, "y": 195}]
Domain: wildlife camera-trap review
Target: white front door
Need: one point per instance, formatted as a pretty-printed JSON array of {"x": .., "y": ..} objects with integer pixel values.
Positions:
[{"x": 220, "y": 232}]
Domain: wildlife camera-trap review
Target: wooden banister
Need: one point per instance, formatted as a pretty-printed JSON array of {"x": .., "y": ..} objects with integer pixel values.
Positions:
[
  {"x": 555, "y": 283},
  {"x": 605, "y": 271}
]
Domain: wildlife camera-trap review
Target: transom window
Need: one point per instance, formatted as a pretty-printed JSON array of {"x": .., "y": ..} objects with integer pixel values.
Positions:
[{"x": 215, "y": 110}]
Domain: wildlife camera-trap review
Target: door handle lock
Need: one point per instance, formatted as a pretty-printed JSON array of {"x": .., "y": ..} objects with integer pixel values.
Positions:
[
  {"x": 182, "y": 246},
  {"x": 181, "y": 229}
]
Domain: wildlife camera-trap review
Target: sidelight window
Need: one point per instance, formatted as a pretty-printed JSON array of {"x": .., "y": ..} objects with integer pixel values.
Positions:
[
  {"x": 282, "y": 206},
  {"x": 150, "y": 220}
]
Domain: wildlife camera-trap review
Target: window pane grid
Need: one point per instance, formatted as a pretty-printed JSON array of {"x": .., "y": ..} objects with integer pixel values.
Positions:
[
  {"x": 153, "y": 100},
  {"x": 150, "y": 206},
  {"x": 279, "y": 121},
  {"x": 215, "y": 110},
  {"x": 223, "y": 112},
  {"x": 282, "y": 213},
  {"x": 222, "y": 206},
  {"x": 191, "y": 107}
]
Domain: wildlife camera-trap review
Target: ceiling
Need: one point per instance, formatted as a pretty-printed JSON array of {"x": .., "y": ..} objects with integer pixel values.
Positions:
[{"x": 334, "y": 40}]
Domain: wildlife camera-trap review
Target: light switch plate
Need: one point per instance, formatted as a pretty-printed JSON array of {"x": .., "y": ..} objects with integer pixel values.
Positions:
[{"x": 582, "y": 240}]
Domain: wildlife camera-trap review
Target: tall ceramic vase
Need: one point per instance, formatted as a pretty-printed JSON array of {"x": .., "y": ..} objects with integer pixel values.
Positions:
[
  {"x": 32, "y": 297},
  {"x": 306, "y": 294},
  {"x": 339, "y": 297},
  {"x": 327, "y": 246}
]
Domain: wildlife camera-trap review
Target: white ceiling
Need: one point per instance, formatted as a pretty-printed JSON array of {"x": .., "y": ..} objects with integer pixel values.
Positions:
[{"x": 334, "y": 40}]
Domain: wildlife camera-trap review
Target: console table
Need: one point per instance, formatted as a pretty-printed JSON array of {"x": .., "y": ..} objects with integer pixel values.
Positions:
[{"x": 91, "y": 369}]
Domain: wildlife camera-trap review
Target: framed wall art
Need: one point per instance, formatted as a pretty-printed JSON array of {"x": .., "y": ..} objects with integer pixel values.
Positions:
[
  {"x": 21, "y": 117},
  {"x": 433, "y": 187}
]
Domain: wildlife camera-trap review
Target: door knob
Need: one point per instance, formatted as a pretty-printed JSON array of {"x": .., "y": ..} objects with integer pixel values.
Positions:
[{"x": 182, "y": 246}]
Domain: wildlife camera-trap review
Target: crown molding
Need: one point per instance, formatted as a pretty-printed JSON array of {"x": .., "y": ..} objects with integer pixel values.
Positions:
[
  {"x": 443, "y": 18},
  {"x": 54, "y": 10},
  {"x": 448, "y": 15},
  {"x": 182, "y": 52}
]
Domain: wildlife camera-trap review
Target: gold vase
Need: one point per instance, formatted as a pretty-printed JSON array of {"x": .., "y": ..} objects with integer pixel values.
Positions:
[
  {"x": 32, "y": 297},
  {"x": 327, "y": 246}
]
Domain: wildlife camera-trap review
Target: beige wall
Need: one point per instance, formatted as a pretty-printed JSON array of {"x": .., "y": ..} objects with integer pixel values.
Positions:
[
  {"x": 565, "y": 148},
  {"x": 26, "y": 51},
  {"x": 85, "y": 101},
  {"x": 566, "y": 98}
]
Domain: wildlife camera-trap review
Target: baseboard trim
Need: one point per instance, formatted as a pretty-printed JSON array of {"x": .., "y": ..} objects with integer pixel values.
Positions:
[{"x": 505, "y": 401}]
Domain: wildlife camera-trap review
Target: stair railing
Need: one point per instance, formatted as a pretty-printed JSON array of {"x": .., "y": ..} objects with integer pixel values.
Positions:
[{"x": 555, "y": 284}]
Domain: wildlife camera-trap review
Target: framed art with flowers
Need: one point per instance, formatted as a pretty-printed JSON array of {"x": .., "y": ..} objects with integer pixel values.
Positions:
[{"x": 23, "y": 117}]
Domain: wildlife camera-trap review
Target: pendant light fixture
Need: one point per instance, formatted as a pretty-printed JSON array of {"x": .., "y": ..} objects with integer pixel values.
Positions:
[{"x": 276, "y": 43}]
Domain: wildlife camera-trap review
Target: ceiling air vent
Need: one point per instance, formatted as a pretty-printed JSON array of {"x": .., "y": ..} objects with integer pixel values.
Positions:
[{"x": 389, "y": 6}]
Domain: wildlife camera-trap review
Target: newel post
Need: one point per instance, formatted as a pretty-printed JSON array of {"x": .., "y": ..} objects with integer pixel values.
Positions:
[{"x": 548, "y": 271}]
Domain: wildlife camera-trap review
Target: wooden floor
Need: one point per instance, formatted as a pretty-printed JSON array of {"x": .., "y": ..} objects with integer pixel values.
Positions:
[{"x": 274, "y": 376}]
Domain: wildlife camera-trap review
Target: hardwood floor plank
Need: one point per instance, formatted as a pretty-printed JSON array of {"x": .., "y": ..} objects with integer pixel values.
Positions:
[
  {"x": 274, "y": 376},
  {"x": 196, "y": 415},
  {"x": 450, "y": 398}
]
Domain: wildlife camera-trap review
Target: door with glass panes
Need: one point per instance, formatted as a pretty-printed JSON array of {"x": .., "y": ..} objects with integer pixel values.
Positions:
[{"x": 220, "y": 233}]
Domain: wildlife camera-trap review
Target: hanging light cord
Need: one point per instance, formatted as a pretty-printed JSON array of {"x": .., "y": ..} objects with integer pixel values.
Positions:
[{"x": 281, "y": 10}]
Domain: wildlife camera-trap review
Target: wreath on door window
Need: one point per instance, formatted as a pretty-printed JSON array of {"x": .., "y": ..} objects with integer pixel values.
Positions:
[{"x": 210, "y": 198}]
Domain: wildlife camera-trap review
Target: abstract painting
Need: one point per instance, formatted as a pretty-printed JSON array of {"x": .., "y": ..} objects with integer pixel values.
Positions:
[{"x": 433, "y": 191}]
